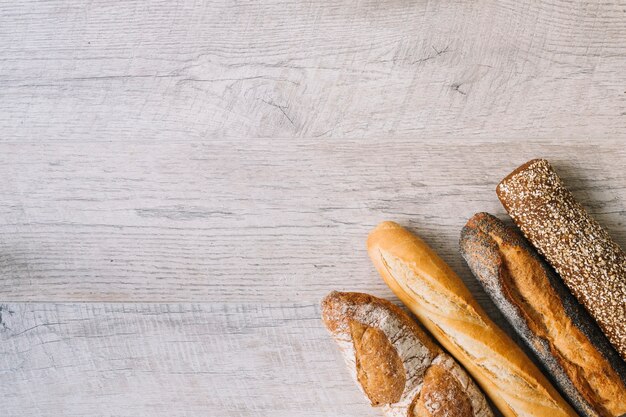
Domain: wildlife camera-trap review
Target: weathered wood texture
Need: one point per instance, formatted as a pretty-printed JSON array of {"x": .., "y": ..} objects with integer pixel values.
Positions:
[
  {"x": 132, "y": 171},
  {"x": 171, "y": 360},
  {"x": 191, "y": 70},
  {"x": 262, "y": 221},
  {"x": 260, "y": 231}
]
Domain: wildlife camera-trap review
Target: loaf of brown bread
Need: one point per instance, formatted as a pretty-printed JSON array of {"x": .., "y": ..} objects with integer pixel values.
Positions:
[
  {"x": 591, "y": 264},
  {"x": 444, "y": 305},
  {"x": 548, "y": 318},
  {"x": 397, "y": 366}
]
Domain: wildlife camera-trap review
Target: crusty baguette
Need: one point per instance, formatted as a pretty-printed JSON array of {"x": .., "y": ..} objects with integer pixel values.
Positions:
[
  {"x": 590, "y": 263},
  {"x": 396, "y": 365},
  {"x": 547, "y": 317},
  {"x": 444, "y": 305}
]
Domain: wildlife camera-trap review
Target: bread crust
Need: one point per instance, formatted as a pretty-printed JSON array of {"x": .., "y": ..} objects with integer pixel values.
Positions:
[
  {"x": 434, "y": 385},
  {"x": 547, "y": 317},
  {"x": 444, "y": 305},
  {"x": 591, "y": 264}
]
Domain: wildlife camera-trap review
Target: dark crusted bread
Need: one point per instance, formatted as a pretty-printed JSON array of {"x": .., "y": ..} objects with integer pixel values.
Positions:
[
  {"x": 548, "y": 318},
  {"x": 591, "y": 264},
  {"x": 397, "y": 366}
]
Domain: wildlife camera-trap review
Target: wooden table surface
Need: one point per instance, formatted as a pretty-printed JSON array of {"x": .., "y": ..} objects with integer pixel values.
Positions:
[{"x": 182, "y": 182}]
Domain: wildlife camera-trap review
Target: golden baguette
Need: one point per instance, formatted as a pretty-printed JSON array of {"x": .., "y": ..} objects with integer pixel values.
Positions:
[{"x": 444, "y": 305}]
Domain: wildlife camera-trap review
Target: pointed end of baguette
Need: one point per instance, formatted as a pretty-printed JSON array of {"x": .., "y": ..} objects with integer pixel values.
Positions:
[
  {"x": 382, "y": 233},
  {"x": 329, "y": 305},
  {"x": 500, "y": 188},
  {"x": 381, "y": 229}
]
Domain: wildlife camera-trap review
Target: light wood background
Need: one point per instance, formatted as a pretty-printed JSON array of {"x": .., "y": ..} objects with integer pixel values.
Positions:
[{"x": 183, "y": 181}]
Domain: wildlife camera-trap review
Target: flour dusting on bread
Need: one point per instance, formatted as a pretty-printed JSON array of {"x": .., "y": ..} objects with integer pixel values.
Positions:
[{"x": 434, "y": 384}]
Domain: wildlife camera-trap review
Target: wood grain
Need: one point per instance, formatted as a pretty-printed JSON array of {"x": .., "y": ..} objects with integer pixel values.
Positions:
[
  {"x": 262, "y": 221},
  {"x": 171, "y": 360},
  {"x": 371, "y": 68},
  {"x": 226, "y": 160},
  {"x": 258, "y": 231}
]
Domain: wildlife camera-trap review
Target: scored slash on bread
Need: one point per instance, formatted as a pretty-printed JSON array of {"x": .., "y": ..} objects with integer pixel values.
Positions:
[
  {"x": 397, "y": 366},
  {"x": 546, "y": 316},
  {"x": 444, "y": 305}
]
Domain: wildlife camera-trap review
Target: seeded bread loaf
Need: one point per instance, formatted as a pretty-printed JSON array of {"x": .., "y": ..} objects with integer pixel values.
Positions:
[
  {"x": 547, "y": 317},
  {"x": 397, "y": 366},
  {"x": 590, "y": 263}
]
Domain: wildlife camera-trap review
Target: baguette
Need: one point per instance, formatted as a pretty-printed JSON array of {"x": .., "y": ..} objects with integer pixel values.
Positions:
[
  {"x": 546, "y": 316},
  {"x": 440, "y": 300},
  {"x": 591, "y": 264},
  {"x": 395, "y": 364}
]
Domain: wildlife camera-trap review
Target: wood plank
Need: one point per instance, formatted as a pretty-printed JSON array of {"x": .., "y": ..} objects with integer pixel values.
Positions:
[
  {"x": 240, "y": 360},
  {"x": 127, "y": 176},
  {"x": 188, "y": 70},
  {"x": 261, "y": 221}
]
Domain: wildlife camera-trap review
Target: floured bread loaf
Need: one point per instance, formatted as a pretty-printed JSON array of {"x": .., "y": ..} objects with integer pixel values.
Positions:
[{"x": 397, "y": 366}]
